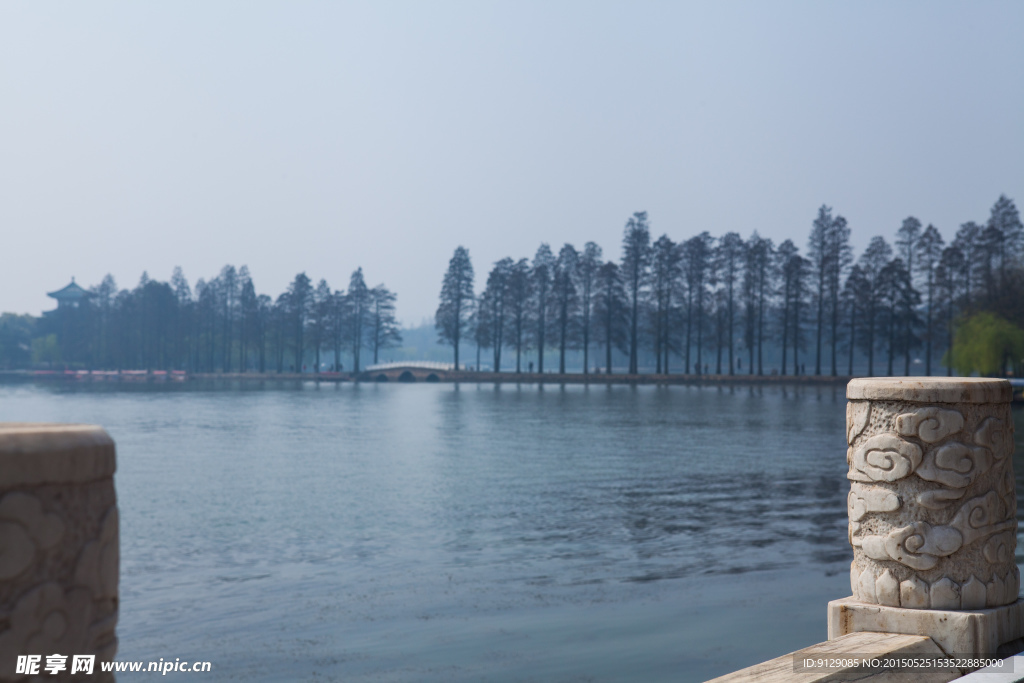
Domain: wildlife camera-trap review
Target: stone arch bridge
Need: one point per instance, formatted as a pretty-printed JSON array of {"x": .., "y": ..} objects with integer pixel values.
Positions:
[{"x": 408, "y": 371}]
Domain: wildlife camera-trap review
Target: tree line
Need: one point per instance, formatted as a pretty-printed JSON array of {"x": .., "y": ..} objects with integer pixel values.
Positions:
[
  {"x": 712, "y": 302},
  {"x": 220, "y": 325}
]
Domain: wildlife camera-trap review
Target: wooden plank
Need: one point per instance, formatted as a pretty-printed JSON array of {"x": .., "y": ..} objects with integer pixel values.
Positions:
[{"x": 864, "y": 644}]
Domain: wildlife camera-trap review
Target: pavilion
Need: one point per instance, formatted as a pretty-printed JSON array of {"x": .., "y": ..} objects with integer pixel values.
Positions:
[{"x": 68, "y": 297}]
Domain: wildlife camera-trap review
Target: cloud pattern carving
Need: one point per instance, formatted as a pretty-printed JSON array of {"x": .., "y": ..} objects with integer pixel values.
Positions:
[{"x": 884, "y": 457}]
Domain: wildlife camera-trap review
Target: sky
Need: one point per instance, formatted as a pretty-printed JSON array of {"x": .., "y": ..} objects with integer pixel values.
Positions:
[{"x": 325, "y": 136}]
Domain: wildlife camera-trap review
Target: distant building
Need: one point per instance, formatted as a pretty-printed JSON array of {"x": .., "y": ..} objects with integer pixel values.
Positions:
[{"x": 68, "y": 297}]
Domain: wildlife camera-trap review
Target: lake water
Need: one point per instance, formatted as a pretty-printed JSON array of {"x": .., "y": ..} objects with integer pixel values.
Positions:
[{"x": 439, "y": 532}]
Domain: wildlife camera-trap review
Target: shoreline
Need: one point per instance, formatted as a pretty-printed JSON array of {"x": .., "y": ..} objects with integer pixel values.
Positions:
[{"x": 430, "y": 375}]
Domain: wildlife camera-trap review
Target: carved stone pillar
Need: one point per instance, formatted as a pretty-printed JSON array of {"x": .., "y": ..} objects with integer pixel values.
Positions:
[
  {"x": 58, "y": 546},
  {"x": 932, "y": 512}
]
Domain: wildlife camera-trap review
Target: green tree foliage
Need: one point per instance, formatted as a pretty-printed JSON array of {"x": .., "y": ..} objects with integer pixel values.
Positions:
[
  {"x": 891, "y": 302},
  {"x": 45, "y": 350},
  {"x": 220, "y": 325},
  {"x": 16, "y": 332},
  {"x": 987, "y": 345}
]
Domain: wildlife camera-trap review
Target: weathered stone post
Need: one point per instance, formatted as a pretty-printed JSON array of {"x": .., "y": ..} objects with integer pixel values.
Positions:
[
  {"x": 58, "y": 546},
  {"x": 933, "y": 513}
]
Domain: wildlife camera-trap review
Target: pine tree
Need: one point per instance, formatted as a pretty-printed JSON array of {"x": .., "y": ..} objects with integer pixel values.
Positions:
[
  {"x": 586, "y": 275},
  {"x": 358, "y": 311},
  {"x": 872, "y": 264},
  {"x": 541, "y": 276},
  {"x": 929, "y": 251},
  {"x": 384, "y": 332},
  {"x": 696, "y": 261},
  {"x": 519, "y": 293},
  {"x": 785, "y": 257},
  {"x": 300, "y": 295},
  {"x": 761, "y": 259},
  {"x": 636, "y": 258},
  {"x": 248, "y": 306},
  {"x": 820, "y": 257},
  {"x": 840, "y": 256},
  {"x": 457, "y": 298},
  {"x": 968, "y": 243},
  {"x": 228, "y": 289},
  {"x": 319, "y": 319},
  {"x": 611, "y": 311},
  {"x": 565, "y": 298},
  {"x": 852, "y": 300},
  {"x": 666, "y": 269},
  {"x": 493, "y": 304},
  {"x": 947, "y": 275},
  {"x": 1007, "y": 232},
  {"x": 729, "y": 255}
]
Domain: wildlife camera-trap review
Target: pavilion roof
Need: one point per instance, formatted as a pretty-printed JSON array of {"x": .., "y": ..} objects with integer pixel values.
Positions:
[{"x": 71, "y": 292}]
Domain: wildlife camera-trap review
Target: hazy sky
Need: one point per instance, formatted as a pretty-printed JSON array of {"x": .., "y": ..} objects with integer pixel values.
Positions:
[{"x": 318, "y": 137}]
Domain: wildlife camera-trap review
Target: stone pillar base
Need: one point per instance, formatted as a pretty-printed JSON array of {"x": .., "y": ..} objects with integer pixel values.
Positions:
[{"x": 977, "y": 633}]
